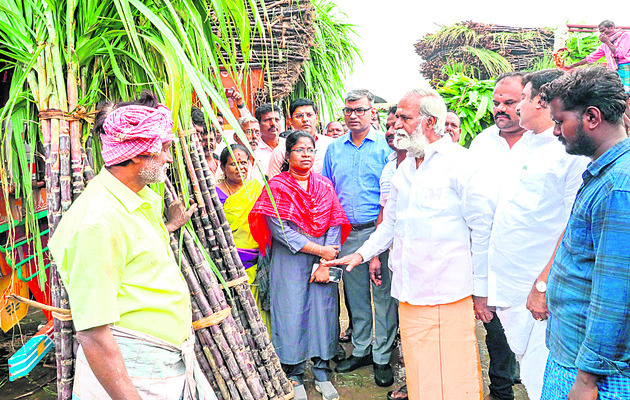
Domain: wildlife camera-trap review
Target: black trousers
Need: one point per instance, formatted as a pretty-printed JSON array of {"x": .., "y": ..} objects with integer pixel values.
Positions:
[{"x": 503, "y": 365}]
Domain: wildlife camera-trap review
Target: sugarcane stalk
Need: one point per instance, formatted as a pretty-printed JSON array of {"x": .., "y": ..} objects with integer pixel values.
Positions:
[
  {"x": 88, "y": 171},
  {"x": 205, "y": 368},
  {"x": 191, "y": 174},
  {"x": 198, "y": 171},
  {"x": 215, "y": 357},
  {"x": 217, "y": 303},
  {"x": 64, "y": 166},
  {"x": 73, "y": 99}
]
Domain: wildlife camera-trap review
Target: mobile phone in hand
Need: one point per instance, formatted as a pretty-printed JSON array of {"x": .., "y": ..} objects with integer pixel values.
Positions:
[{"x": 334, "y": 274}]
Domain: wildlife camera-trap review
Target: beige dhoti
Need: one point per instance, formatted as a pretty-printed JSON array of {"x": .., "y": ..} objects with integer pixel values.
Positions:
[{"x": 440, "y": 350}]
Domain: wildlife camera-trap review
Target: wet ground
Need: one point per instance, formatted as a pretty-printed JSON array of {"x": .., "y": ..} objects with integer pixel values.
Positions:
[
  {"x": 359, "y": 384},
  {"x": 40, "y": 384}
]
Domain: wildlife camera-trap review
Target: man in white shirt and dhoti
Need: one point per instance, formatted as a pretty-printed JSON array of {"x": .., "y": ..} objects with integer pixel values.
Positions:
[
  {"x": 438, "y": 219},
  {"x": 537, "y": 187}
]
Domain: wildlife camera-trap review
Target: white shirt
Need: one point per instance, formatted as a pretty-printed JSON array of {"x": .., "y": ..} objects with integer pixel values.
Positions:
[
  {"x": 386, "y": 178},
  {"x": 537, "y": 188},
  {"x": 439, "y": 218}
]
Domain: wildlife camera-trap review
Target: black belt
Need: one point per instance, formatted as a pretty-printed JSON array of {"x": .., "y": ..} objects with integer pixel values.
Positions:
[{"x": 358, "y": 227}]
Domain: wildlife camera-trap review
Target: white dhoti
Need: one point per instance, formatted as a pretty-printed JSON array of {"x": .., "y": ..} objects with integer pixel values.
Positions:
[
  {"x": 158, "y": 369},
  {"x": 526, "y": 338}
]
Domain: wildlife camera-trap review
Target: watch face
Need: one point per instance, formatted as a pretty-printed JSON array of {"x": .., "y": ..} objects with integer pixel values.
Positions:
[{"x": 541, "y": 286}]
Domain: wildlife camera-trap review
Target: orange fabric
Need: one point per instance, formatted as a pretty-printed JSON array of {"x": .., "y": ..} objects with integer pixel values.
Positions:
[{"x": 440, "y": 351}]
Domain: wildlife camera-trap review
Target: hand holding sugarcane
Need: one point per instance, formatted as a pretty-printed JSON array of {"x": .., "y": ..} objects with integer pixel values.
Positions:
[{"x": 177, "y": 215}]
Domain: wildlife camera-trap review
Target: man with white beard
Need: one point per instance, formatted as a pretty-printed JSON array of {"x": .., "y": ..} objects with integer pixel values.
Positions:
[{"x": 438, "y": 218}]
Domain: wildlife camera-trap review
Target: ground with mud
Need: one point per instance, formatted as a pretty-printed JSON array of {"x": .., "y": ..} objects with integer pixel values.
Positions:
[{"x": 40, "y": 384}]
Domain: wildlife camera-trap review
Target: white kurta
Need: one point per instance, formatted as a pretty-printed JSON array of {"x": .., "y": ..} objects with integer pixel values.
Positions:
[
  {"x": 537, "y": 186},
  {"x": 438, "y": 217}
]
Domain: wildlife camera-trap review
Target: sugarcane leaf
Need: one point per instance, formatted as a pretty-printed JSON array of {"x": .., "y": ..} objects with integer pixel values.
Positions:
[
  {"x": 112, "y": 58},
  {"x": 482, "y": 109}
]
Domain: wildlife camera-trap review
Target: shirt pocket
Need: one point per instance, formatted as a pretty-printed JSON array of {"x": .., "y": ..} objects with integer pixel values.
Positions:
[
  {"x": 575, "y": 237},
  {"x": 370, "y": 170},
  {"x": 435, "y": 197},
  {"x": 529, "y": 190}
]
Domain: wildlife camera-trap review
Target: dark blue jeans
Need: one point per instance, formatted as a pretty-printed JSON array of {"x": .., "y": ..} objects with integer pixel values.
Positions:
[{"x": 502, "y": 368}]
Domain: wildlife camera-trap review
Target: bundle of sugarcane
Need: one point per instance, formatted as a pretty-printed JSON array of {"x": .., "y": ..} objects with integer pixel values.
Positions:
[
  {"x": 68, "y": 169},
  {"x": 234, "y": 346},
  {"x": 489, "y": 49},
  {"x": 283, "y": 45}
]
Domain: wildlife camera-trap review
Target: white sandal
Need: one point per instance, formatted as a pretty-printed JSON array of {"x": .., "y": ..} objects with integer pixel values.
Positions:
[
  {"x": 299, "y": 392},
  {"x": 327, "y": 390}
]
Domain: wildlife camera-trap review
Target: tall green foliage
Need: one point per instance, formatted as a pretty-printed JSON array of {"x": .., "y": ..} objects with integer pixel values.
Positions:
[
  {"x": 331, "y": 59},
  {"x": 581, "y": 45},
  {"x": 67, "y": 54},
  {"x": 471, "y": 100}
]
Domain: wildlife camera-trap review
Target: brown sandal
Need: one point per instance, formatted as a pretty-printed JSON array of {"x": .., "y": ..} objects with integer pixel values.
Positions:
[{"x": 393, "y": 394}]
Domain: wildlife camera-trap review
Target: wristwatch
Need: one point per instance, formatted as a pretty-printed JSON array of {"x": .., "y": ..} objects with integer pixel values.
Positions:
[{"x": 541, "y": 286}]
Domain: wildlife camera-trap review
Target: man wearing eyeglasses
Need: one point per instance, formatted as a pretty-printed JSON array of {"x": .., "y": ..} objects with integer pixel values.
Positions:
[
  {"x": 302, "y": 117},
  {"x": 354, "y": 163}
]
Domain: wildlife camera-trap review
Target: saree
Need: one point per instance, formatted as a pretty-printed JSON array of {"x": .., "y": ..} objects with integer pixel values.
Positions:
[{"x": 237, "y": 208}]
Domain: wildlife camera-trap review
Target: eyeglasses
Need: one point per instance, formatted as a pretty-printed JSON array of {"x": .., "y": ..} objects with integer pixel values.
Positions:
[
  {"x": 358, "y": 111},
  {"x": 300, "y": 115},
  {"x": 252, "y": 132},
  {"x": 310, "y": 151}
]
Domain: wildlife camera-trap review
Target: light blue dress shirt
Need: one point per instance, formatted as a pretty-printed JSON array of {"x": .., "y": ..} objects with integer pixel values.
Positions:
[{"x": 355, "y": 173}]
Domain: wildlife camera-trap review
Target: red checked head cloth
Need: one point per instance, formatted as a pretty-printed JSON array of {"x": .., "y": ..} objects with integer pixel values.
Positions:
[{"x": 133, "y": 130}]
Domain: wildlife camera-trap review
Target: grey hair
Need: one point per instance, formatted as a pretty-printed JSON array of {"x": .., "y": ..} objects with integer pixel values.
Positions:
[
  {"x": 606, "y": 24},
  {"x": 246, "y": 119},
  {"x": 358, "y": 94},
  {"x": 431, "y": 105}
]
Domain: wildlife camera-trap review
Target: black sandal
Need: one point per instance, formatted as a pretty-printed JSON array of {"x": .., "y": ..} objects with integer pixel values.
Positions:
[{"x": 402, "y": 389}]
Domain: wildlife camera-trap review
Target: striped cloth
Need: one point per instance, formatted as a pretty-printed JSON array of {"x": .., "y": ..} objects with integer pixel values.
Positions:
[
  {"x": 559, "y": 380},
  {"x": 157, "y": 368},
  {"x": 624, "y": 74},
  {"x": 133, "y": 130}
]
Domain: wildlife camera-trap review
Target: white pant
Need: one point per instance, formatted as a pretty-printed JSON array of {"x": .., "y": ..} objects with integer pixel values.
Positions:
[{"x": 526, "y": 338}]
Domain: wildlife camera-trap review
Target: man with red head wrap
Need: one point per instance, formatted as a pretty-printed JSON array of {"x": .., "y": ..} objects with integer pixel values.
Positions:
[{"x": 129, "y": 301}]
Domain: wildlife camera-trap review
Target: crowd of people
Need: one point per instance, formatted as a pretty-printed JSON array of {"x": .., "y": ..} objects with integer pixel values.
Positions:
[{"x": 523, "y": 231}]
